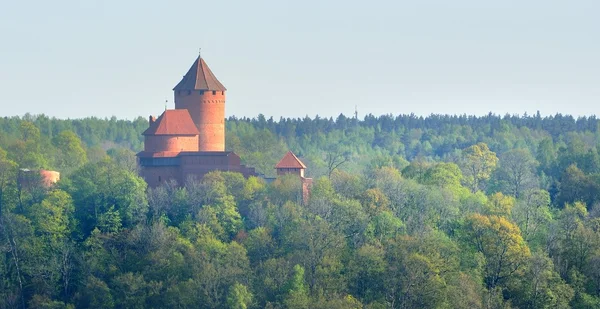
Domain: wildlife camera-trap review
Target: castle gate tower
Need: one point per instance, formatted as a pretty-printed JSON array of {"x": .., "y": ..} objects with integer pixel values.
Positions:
[{"x": 204, "y": 97}]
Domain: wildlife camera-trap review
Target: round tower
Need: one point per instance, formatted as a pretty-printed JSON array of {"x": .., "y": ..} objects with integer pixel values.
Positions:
[{"x": 204, "y": 97}]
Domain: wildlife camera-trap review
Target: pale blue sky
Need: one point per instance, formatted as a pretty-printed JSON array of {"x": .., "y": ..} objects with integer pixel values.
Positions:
[{"x": 295, "y": 58}]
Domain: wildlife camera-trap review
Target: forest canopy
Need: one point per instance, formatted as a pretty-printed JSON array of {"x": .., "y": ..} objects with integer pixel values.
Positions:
[{"x": 405, "y": 212}]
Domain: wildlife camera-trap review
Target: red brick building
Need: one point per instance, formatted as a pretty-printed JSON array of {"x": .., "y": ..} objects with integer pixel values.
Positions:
[{"x": 190, "y": 139}]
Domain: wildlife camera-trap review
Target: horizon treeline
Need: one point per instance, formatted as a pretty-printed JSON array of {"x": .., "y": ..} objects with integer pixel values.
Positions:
[
  {"x": 434, "y": 137},
  {"x": 405, "y": 212}
]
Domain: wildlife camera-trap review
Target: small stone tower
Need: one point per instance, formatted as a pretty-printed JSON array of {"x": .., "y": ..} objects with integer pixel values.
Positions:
[{"x": 204, "y": 97}]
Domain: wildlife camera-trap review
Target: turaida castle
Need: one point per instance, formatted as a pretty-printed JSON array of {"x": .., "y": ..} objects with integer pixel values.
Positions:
[{"x": 189, "y": 141}]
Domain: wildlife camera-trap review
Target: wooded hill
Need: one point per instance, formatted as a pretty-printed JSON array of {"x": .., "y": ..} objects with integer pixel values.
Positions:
[{"x": 405, "y": 212}]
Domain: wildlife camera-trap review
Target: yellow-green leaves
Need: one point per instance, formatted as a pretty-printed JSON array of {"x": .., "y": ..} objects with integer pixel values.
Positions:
[
  {"x": 478, "y": 163},
  {"x": 500, "y": 241}
]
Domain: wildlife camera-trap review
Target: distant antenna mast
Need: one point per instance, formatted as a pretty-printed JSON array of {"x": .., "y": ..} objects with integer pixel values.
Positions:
[{"x": 356, "y": 112}]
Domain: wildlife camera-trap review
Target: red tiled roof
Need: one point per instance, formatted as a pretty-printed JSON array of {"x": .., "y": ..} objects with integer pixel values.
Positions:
[
  {"x": 290, "y": 161},
  {"x": 200, "y": 77},
  {"x": 173, "y": 122}
]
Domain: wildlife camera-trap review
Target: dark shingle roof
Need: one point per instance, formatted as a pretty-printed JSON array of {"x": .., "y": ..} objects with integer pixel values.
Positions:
[{"x": 200, "y": 77}]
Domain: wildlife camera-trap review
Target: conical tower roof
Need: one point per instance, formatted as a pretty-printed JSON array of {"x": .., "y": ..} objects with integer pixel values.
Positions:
[
  {"x": 200, "y": 77},
  {"x": 290, "y": 161}
]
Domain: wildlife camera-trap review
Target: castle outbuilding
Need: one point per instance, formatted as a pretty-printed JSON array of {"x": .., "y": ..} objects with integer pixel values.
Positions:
[{"x": 291, "y": 165}]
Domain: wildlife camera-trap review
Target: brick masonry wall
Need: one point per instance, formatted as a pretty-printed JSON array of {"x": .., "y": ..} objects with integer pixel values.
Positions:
[
  {"x": 155, "y": 176},
  {"x": 208, "y": 113},
  {"x": 158, "y": 143}
]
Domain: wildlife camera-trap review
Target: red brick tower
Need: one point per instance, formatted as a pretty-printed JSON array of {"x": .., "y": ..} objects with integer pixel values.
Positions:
[{"x": 204, "y": 97}]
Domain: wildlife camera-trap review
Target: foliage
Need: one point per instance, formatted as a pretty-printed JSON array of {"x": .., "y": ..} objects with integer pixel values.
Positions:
[{"x": 405, "y": 212}]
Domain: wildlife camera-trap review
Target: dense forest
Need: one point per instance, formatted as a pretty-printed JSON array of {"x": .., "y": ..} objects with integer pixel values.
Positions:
[{"x": 405, "y": 212}]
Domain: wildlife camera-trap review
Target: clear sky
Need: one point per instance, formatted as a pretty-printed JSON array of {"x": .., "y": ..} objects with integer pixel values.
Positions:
[{"x": 78, "y": 58}]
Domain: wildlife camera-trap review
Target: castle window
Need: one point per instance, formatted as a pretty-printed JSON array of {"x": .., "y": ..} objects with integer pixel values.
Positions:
[
  {"x": 222, "y": 92},
  {"x": 201, "y": 92},
  {"x": 214, "y": 92}
]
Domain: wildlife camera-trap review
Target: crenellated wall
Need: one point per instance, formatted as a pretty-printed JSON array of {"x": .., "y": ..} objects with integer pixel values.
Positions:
[{"x": 207, "y": 109}]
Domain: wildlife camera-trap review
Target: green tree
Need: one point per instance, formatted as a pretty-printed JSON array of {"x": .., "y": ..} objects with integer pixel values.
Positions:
[
  {"x": 70, "y": 154},
  {"x": 8, "y": 182},
  {"x": 318, "y": 249},
  {"x": 546, "y": 154},
  {"x": 444, "y": 175},
  {"x": 286, "y": 188},
  {"x": 335, "y": 157},
  {"x": 575, "y": 186},
  {"x": 500, "y": 242},
  {"x": 478, "y": 163},
  {"x": 26, "y": 151},
  {"x": 386, "y": 226},
  {"x": 374, "y": 201},
  {"x": 239, "y": 297},
  {"x": 216, "y": 267},
  {"x": 44, "y": 302},
  {"x": 130, "y": 290},
  {"x": 500, "y": 205},
  {"x": 422, "y": 285},
  {"x": 95, "y": 294},
  {"x": 228, "y": 216},
  {"x": 96, "y": 187},
  {"x": 532, "y": 213},
  {"x": 124, "y": 158},
  {"x": 346, "y": 184},
  {"x": 541, "y": 286},
  {"x": 366, "y": 269},
  {"x": 297, "y": 294},
  {"x": 516, "y": 172},
  {"x": 260, "y": 245},
  {"x": 52, "y": 216}
]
